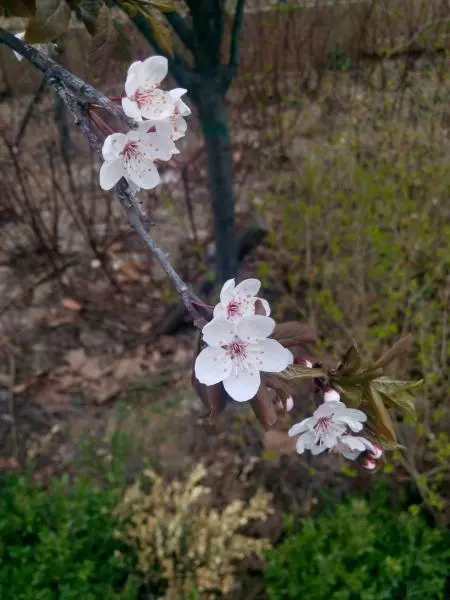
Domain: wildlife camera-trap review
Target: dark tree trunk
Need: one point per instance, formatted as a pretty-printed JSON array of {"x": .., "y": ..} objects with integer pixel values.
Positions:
[{"x": 214, "y": 123}]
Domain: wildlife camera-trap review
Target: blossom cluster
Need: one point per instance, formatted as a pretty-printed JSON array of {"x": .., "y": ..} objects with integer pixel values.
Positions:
[
  {"x": 159, "y": 117},
  {"x": 238, "y": 347},
  {"x": 331, "y": 427}
]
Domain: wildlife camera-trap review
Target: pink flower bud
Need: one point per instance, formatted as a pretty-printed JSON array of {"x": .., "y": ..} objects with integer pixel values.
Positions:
[
  {"x": 331, "y": 395},
  {"x": 377, "y": 452},
  {"x": 303, "y": 361},
  {"x": 289, "y": 404},
  {"x": 368, "y": 464}
]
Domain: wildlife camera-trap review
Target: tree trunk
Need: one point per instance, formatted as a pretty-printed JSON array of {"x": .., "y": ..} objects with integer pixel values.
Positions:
[{"x": 214, "y": 123}]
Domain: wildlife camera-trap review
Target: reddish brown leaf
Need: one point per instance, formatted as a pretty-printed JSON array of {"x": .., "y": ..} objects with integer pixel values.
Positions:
[
  {"x": 264, "y": 408},
  {"x": 293, "y": 333},
  {"x": 401, "y": 347}
]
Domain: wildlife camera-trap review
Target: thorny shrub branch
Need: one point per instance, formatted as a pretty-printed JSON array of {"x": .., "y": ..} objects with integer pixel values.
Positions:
[{"x": 65, "y": 85}]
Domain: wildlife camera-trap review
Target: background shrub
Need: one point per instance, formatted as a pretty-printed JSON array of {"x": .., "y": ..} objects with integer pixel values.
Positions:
[
  {"x": 361, "y": 550},
  {"x": 60, "y": 544}
]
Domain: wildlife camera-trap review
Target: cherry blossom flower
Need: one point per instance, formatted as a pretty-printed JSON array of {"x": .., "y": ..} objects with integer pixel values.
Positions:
[
  {"x": 331, "y": 395},
  {"x": 132, "y": 156},
  {"x": 236, "y": 354},
  {"x": 325, "y": 429},
  {"x": 144, "y": 98},
  {"x": 238, "y": 301}
]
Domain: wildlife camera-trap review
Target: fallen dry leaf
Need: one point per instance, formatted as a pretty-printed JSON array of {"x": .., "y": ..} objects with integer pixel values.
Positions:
[
  {"x": 105, "y": 389},
  {"x": 130, "y": 270},
  {"x": 71, "y": 304},
  {"x": 127, "y": 368},
  {"x": 76, "y": 359}
]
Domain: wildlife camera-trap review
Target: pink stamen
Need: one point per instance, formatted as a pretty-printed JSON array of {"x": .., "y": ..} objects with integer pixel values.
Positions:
[
  {"x": 323, "y": 424},
  {"x": 130, "y": 150},
  {"x": 233, "y": 309},
  {"x": 143, "y": 97},
  {"x": 237, "y": 349}
]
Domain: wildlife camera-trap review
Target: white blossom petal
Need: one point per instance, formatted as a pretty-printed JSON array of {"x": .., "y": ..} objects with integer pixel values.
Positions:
[
  {"x": 227, "y": 291},
  {"x": 113, "y": 145},
  {"x": 255, "y": 328},
  {"x": 243, "y": 385},
  {"x": 289, "y": 404},
  {"x": 142, "y": 172},
  {"x": 212, "y": 365},
  {"x": 316, "y": 449},
  {"x": 248, "y": 287},
  {"x": 219, "y": 312},
  {"x": 131, "y": 109},
  {"x": 218, "y": 332},
  {"x": 110, "y": 173},
  {"x": 271, "y": 356},
  {"x": 352, "y": 423},
  {"x": 304, "y": 425},
  {"x": 305, "y": 442},
  {"x": 154, "y": 69},
  {"x": 176, "y": 94}
]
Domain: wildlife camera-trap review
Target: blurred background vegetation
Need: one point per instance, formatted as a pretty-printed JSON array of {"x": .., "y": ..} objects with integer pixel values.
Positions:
[{"x": 112, "y": 486}]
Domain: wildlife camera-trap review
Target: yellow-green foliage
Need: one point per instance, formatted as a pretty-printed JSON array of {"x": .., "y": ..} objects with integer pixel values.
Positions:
[
  {"x": 182, "y": 540},
  {"x": 360, "y": 230}
]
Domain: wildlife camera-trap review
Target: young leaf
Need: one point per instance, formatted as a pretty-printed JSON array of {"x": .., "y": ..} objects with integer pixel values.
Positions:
[
  {"x": 398, "y": 349},
  {"x": 392, "y": 387},
  {"x": 49, "y": 22},
  {"x": 350, "y": 394},
  {"x": 403, "y": 402},
  {"x": 103, "y": 42},
  {"x": 161, "y": 31},
  {"x": 351, "y": 362},
  {"x": 162, "y": 5},
  {"x": 301, "y": 372},
  {"x": 19, "y": 8},
  {"x": 380, "y": 414}
]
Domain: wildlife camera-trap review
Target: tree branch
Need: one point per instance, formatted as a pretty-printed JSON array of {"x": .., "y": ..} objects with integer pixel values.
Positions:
[
  {"x": 180, "y": 27},
  {"x": 62, "y": 81},
  {"x": 51, "y": 69},
  {"x": 235, "y": 33}
]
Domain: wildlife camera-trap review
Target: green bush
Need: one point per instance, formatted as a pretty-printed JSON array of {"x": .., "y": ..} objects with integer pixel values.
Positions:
[
  {"x": 60, "y": 543},
  {"x": 362, "y": 550}
]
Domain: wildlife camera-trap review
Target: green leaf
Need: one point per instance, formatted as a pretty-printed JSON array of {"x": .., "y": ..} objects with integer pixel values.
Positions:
[
  {"x": 403, "y": 402},
  {"x": 19, "y": 8},
  {"x": 301, "y": 372},
  {"x": 162, "y": 5},
  {"x": 350, "y": 362},
  {"x": 49, "y": 22},
  {"x": 391, "y": 387},
  {"x": 103, "y": 42},
  {"x": 351, "y": 394},
  {"x": 381, "y": 418},
  {"x": 161, "y": 30}
]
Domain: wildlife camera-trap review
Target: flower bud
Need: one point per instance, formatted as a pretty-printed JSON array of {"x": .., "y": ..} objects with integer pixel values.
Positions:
[
  {"x": 303, "y": 361},
  {"x": 289, "y": 404},
  {"x": 368, "y": 464},
  {"x": 377, "y": 452},
  {"x": 331, "y": 395}
]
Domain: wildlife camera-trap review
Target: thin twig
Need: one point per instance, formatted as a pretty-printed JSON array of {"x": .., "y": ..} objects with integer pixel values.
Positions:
[{"x": 64, "y": 83}]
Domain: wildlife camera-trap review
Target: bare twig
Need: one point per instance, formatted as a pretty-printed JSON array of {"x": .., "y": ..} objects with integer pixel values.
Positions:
[{"x": 65, "y": 84}]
